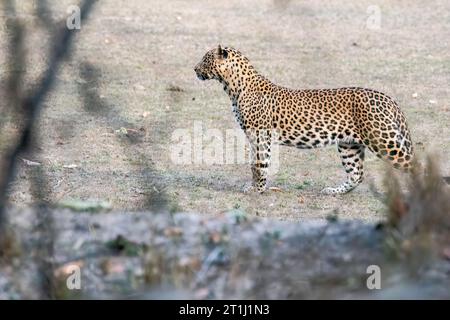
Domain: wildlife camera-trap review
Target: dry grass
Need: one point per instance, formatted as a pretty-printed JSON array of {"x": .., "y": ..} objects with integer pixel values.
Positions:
[{"x": 419, "y": 215}]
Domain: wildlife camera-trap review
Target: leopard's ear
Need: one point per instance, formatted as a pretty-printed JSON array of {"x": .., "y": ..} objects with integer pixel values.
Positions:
[{"x": 222, "y": 52}]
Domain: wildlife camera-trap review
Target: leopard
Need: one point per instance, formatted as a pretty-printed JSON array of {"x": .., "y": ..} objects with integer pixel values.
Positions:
[{"x": 353, "y": 118}]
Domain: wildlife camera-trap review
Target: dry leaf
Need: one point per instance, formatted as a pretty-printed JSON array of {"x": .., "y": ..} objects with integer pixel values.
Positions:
[
  {"x": 446, "y": 253},
  {"x": 193, "y": 263},
  {"x": 139, "y": 87},
  {"x": 112, "y": 265},
  {"x": 215, "y": 237},
  {"x": 202, "y": 293},
  {"x": 31, "y": 163},
  {"x": 399, "y": 208},
  {"x": 68, "y": 268},
  {"x": 173, "y": 232}
]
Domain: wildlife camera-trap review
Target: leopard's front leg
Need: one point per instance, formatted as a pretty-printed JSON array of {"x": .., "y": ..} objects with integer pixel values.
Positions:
[{"x": 260, "y": 143}]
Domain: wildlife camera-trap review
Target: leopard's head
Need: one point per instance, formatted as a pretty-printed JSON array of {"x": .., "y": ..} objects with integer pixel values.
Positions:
[{"x": 215, "y": 64}]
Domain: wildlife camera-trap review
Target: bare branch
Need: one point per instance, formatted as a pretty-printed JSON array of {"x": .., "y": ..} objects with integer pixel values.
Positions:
[{"x": 32, "y": 104}]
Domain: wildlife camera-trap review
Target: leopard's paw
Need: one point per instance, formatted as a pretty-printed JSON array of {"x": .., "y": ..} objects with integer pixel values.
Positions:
[{"x": 249, "y": 188}]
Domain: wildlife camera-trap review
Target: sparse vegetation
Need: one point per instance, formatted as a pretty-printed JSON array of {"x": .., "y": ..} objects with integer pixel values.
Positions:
[{"x": 419, "y": 216}]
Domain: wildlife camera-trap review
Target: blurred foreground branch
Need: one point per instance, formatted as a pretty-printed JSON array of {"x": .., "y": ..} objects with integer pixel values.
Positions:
[
  {"x": 31, "y": 104},
  {"x": 27, "y": 107}
]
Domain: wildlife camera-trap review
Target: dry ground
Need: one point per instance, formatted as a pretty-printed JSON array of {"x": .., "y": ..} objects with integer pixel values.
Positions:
[{"x": 133, "y": 68}]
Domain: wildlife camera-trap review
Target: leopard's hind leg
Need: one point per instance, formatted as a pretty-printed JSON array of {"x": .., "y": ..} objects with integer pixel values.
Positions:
[
  {"x": 397, "y": 149},
  {"x": 352, "y": 157}
]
